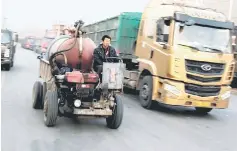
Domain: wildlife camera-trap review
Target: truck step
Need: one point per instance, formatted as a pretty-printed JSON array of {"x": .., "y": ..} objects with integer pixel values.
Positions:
[
  {"x": 129, "y": 83},
  {"x": 132, "y": 75}
]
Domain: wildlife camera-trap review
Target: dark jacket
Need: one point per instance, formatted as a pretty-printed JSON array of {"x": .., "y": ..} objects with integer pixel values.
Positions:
[{"x": 99, "y": 55}]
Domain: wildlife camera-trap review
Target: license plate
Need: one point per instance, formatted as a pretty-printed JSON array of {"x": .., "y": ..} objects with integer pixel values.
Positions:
[{"x": 203, "y": 104}]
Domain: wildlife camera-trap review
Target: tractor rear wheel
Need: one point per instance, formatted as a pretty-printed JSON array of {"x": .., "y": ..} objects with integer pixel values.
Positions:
[
  {"x": 115, "y": 120},
  {"x": 37, "y": 95}
]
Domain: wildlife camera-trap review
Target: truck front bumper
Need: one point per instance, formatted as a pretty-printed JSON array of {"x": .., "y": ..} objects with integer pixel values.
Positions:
[{"x": 175, "y": 93}]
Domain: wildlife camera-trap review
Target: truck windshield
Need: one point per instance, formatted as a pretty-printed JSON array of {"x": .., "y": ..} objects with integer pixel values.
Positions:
[
  {"x": 203, "y": 38},
  {"x": 5, "y": 38}
]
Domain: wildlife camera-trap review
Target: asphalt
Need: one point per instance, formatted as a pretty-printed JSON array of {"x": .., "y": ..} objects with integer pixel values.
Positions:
[{"x": 162, "y": 129}]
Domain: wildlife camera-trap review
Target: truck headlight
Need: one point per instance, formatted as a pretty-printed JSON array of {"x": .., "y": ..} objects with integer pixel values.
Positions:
[
  {"x": 172, "y": 89},
  {"x": 226, "y": 95},
  {"x": 7, "y": 53}
]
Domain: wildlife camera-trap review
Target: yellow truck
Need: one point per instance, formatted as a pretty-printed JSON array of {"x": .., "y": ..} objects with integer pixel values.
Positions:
[{"x": 183, "y": 53}]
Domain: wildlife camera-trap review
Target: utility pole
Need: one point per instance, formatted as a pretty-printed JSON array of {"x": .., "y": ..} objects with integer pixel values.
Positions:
[{"x": 230, "y": 9}]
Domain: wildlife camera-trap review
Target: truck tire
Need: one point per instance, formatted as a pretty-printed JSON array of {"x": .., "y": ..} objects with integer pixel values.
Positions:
[
  {"x": 145, "y": 94},
  {"x": 202, "y": 110},
  {"x": 37, "y": 95},
  {"x": 50, "y": 108},
  {"x": 115, "y": 120},
  {"x": 44, "y": 90},
  {"x": 7, "y": 67}
]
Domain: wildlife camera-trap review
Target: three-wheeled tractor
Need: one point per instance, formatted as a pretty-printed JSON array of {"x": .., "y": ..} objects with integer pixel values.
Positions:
[{"x": 71, "y": 88}]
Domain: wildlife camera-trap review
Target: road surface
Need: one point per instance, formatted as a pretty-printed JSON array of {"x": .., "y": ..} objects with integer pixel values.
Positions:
[{"x": 162, "y": 129}]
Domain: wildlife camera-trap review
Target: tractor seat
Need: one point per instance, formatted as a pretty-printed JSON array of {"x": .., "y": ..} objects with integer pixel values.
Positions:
[{"x": 79, "y": 77}]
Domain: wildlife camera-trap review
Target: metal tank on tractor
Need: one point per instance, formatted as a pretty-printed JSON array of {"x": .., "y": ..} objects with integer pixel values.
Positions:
[{"x": 71, "y": 88}]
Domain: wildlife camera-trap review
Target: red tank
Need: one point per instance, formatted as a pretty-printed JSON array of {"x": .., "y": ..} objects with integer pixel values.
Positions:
[{"x": 65, "y": 42}]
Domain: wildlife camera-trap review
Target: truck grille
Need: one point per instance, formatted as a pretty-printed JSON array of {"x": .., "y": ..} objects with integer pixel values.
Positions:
[
  {"x": 197, "y": 67},
  {"x": 201, "y": 79},
  {"x": 203, "y": 91}
]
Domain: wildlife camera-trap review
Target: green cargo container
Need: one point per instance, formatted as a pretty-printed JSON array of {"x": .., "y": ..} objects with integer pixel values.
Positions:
[{"x": 123, "y": 30}]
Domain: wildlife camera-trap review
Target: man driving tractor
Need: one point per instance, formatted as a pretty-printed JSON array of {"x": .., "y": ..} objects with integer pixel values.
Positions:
[{"x": 101, "y": 53}]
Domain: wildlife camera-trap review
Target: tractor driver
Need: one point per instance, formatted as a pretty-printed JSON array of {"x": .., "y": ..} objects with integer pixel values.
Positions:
[{"x": 101, "y": 52}]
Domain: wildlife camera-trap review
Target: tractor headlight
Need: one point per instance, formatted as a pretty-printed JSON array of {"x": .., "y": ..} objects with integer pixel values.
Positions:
[{"x": 77, "y": 103}]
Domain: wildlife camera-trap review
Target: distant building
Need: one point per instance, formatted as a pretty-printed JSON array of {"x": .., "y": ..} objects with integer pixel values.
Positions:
[{"x": 59, "y": 28}]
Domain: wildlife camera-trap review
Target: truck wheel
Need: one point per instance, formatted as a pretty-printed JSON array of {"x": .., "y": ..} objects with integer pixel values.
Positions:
[
  {"x": 44, "y": 90},
  {"x": 145, "y": 94},
  {"x": 202, "y": 110},
  {"x": 115, "y": 120},
  {"x": 7, "y": 67},
  {"x": 50, "y": 108},
  {"x": 37, "y": 95}
]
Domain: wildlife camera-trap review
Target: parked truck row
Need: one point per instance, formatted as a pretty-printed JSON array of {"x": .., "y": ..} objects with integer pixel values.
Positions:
[
  {"x": 40, "y": 44},
  {"x": 175, "y": 53},
  {"x": 9, "y": 41}
]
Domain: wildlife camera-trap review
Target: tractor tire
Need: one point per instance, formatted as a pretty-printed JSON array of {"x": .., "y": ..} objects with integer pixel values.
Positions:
[
  {"x": 115, "y": 120},
  {"x": 145, "y": 94},
  {"x": 37, "y": 95},
  {"x": 50, "y": 108}
]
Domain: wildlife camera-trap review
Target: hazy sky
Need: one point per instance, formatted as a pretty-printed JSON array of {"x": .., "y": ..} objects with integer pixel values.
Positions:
[
  {"x": 35, "y": 16},
  {"x": 38, "y": 15}
]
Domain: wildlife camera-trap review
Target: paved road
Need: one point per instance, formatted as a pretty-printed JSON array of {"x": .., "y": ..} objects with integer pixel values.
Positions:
[{"x": 164, "y": 129}]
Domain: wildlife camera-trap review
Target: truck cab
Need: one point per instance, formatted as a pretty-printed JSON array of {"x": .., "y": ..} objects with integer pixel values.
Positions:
[
  {"x": 185, "y": 56},
  {"x": 8, "y": 48}
]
